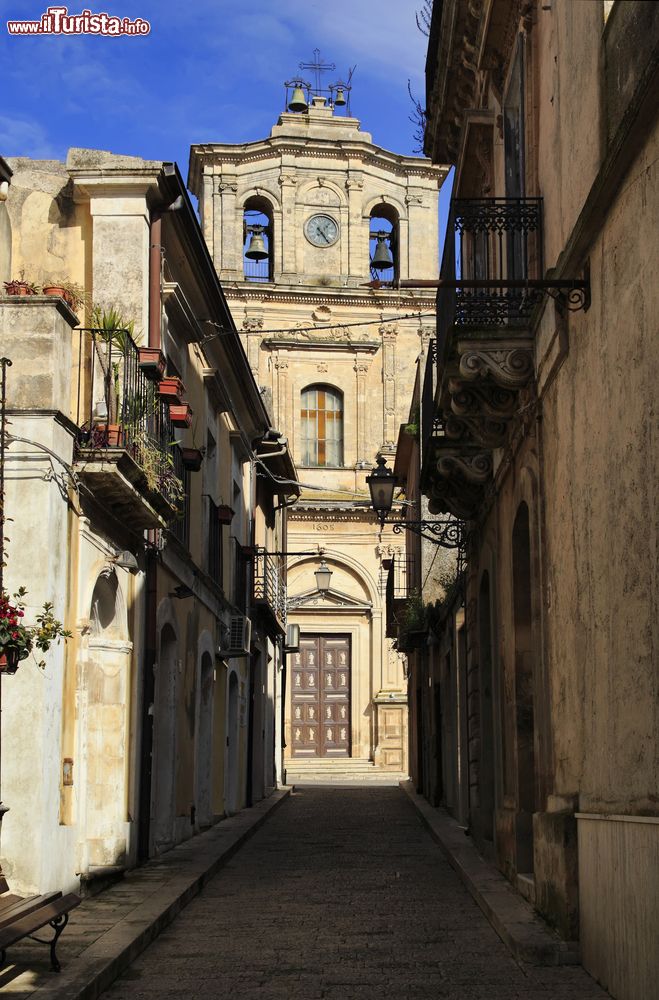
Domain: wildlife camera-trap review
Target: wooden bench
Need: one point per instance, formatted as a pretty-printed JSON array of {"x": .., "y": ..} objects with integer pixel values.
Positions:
[{"x": 21, "y": 916}]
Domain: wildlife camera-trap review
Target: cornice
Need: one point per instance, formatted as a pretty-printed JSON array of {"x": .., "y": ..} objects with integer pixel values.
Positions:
[
  {"x": 357, "y": 154},
  {"x": 349, "y": 298},
  {"x": 292, "y": 343}
]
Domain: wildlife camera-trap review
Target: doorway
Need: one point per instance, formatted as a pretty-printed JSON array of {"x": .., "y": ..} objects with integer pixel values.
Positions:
[{"x": 321, "y": 683}]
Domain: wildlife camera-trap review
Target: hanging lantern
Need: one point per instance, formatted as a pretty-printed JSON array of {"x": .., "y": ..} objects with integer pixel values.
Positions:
[
  {"x": 381, "y": 483},
  {"x": 323, "y": 575}
]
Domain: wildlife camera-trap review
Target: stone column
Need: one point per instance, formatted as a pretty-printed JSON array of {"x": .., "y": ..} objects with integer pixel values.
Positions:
[
  {"x": 227, "y": 231},
  {"x": 361, "y": 371},
  {"x": 389, "y": 332},
  {"x": 251, "y": 326},
  {"x": 357, "y": 231},
  {"x": 281, "y": 365},
  {"x": 285, "y": 240}
]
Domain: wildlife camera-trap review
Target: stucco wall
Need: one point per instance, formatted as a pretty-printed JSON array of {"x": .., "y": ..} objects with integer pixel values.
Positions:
[{"x": 600, "y": 473}]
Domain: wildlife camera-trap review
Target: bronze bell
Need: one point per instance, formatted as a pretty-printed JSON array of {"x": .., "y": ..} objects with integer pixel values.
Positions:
[
  {"x": 340, "y": 99},
  {"x": 298, "y": 101},
  {"x": 257, "y": 249},
  {"x": 382, "y": 258}
]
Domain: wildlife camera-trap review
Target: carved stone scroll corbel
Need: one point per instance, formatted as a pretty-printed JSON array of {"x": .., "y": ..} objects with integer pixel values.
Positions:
[
  {"x": 475, "y": 469},
  {"x": 510, "y": 368}
]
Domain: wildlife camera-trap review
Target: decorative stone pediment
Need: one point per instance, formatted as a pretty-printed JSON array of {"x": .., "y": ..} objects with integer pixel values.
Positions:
[{"x": 327, "y": 600}]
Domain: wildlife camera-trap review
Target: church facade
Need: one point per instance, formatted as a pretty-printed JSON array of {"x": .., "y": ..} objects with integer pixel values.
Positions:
[{"x": 294, "y": 223}]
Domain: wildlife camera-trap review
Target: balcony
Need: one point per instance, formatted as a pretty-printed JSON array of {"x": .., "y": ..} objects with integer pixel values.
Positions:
[
  {"x": 269, "y": 589},
  {"x": 124, "y": 454},
  {"x": 493, "y": 254},
  {"x": 400, "y": 584},
  {"x": 491, "y": 284}
]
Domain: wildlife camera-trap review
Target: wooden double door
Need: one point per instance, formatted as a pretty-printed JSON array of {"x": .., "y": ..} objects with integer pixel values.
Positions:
[{"x": 320, "y": 684}]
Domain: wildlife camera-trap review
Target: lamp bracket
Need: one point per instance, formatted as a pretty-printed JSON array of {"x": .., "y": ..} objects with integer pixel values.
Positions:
[{"x": 446, "y": 532}]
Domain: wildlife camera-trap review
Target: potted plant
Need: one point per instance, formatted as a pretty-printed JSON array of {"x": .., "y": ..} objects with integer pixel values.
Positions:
[
  {"x": 16, "y": 639},
  {"x": 18, "y": 286},
  {"x": 192, "y": 458},
  {"x": 114, "y": 334},
  {"x": 73, "y": 294},
  {"x": 152, "y": 363},
  {"x": 180, "y": 414},
  {"x": 171, "y": 389},
  {"x": 225, "y": 513}
]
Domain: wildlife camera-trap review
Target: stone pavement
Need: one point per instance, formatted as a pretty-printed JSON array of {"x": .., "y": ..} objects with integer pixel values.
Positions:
[
  {"x": 106, "y": 932},
  {"x": 341, "y": 895}
]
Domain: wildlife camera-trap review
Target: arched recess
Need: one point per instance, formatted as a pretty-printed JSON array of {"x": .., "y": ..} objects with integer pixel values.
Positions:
[
  {"x": 486, "y": 686},
  {"x": 258, "y": 232},
  {"x": 164, "y": 740},
  {"x": 524, "y": 674},
  {"x": 339, "y": 560},
  {"x": 204, "y": 755},
  {"x": 305, "y": 194},
  {"x": 384, "y": 242},
  {"x": 231, "y": 769},
  {"x": 104, "y": 723}
]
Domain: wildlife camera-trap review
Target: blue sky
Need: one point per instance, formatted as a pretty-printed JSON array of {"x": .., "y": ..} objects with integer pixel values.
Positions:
[{"x": 211, "y": 70}]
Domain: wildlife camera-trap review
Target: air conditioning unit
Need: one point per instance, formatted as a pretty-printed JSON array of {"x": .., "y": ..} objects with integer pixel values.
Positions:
[{"x": 236, "y": 641}]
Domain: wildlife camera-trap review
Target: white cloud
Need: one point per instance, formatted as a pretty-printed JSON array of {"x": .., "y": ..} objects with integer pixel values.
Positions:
[{"x": 22, "y": 137}]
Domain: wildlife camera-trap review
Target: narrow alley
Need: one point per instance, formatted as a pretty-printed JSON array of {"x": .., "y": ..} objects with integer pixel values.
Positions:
[{"x": 341, "y": 894}]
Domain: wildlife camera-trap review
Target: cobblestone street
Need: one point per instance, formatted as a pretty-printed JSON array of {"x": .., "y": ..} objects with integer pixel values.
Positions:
[{"x": 341, "y": 895}]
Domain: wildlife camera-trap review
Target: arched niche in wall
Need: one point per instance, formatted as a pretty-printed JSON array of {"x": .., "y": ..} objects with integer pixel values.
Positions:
[
  {"x": 103, "y": 714},
  {"x": 204, "y": 740},
  {"x": 258, "y": 239},
  {"x": 164, "y": 740}
]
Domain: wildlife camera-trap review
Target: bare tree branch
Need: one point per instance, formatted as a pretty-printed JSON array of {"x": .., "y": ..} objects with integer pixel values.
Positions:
[
  {"x": 418, "y": 118},
  {"x": 424, "y": 17}
]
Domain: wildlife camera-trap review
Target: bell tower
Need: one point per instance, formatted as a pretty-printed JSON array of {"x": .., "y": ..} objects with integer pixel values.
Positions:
[{"x": 297, "y": 225}]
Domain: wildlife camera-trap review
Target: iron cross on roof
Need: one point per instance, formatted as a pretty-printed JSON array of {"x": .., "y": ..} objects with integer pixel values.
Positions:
[{"x": 318, "y": 67}]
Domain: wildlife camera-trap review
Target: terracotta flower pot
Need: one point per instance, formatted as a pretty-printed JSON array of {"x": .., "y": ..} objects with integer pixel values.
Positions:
[
  {"x": 110, "y": 435},
  {"x": 18, "y": 288},
  {"x": 9, "y": 661},
  {"x": 192, "y": 459},
  {"x": 56, "y": 290},
  {"x": 152, "y": 363},
  {"x": 171, "y": 389},
  {"x": 180, "y": 414},
  {"x": 225, "y": 514}
]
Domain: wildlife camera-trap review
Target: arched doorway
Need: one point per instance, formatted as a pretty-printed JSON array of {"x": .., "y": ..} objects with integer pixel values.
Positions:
[
  {"x": 486, "y": 777},
  {"x": 164, "y": 742},
  {"x": 103, "y": 708},
  {"x": 232, "y": 755},
  {"x": 204, "y": 768},
  {"x": 524, "y": 680}
]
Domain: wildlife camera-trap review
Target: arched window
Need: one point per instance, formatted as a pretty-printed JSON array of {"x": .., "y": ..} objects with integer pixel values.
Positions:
[
  {"x": 258, "y": 256},
  {"x": 322, "y": 426},
  {"x": 384, "y": 257}
]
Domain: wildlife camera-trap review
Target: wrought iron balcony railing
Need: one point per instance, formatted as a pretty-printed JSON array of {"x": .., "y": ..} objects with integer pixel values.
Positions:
[
  {"x": 491, "y": 262},
  {"x": 269, "y": 586},
  {"x": 117, "y": 407}
]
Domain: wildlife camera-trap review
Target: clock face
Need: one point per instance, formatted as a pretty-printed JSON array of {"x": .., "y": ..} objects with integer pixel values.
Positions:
[{"x": 321, "y": 230}]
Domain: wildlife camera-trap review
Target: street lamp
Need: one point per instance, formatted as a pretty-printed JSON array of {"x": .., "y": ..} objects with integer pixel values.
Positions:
[
  {"x": 323, "y": 575},
  {"x": 447, "y": 532},
  {"x": 381, "y": 484}
]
